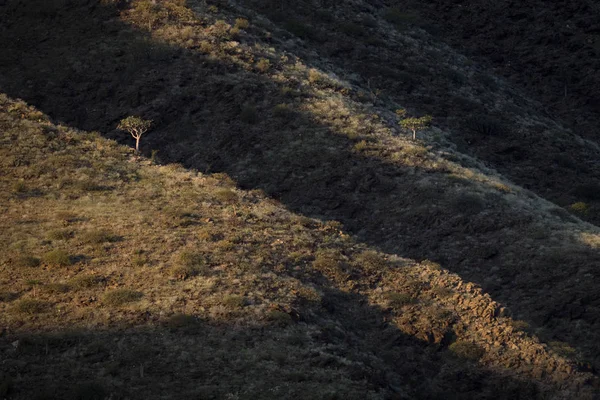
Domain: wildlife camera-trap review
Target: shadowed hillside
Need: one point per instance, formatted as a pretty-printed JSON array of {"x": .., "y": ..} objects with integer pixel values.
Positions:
[{"x": 253, "y": 100}]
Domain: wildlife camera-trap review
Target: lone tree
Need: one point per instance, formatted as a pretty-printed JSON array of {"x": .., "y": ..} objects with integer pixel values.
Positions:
[
  {"x": 413, "y": 124},
  {"x": 136, "y": 126}
]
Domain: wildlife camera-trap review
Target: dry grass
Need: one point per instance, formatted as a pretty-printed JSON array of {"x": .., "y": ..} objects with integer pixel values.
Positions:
[{"x": 298, "y": 307}]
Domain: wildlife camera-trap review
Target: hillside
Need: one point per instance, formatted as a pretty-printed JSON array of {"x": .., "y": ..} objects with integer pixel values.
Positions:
[{"x": 304, "y": 246}]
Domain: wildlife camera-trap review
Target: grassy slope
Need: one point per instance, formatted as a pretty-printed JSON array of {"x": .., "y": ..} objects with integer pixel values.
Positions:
[
  {"x": 321, "y": 146},
  {"x": 174, "y": 276}
]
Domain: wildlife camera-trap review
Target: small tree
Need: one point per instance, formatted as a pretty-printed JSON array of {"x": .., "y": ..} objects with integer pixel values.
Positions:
[
  {"x": 414, "y": 124},
  {"x": 136, "y": 126}
]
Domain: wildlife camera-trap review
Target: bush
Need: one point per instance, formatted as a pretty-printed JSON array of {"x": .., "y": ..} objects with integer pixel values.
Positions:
[
  {"x": 242, "y": 23},
  {"x": 398, "y": 300},
  {"x": 249, "y": 114},
  {"x": 485, "y": 125},
  {"x": 234, "y": 301},
  {"x": 59, "y": 234},
  {"x": 181, "y": 321},
  {"x": 85, "y": 281},
  {"x": 27, "y": 261},
  {"x": 467, "y": 350},
  {"x": 371, "y": 261},
  {"x": 97, "y": 237},
  {"x": 57, "y": 258},
  {"x": 580, "y": 208},
  {"x": 279, "y": 317},
  {"x": 56, "y": 288},
  {"x": 263, "y": 65},
  {"x": 119, "y": 297},
  {"x": 29, "y": 306}
]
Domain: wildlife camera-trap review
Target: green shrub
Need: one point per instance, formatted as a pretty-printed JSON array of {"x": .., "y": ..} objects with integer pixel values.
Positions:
[
  {"x": 119, "y": 297},
  {"x": 97, "y": 237},
  {"x": 29, "y": 306},
  {"x": 221, "y": 30},
  {"x": 59, "y": 234},
  {"x": 226, "y": 195},
  {"x": 371, "y": 261},
  {"x": 329, "y": 263},
  {"x": 56, "y": 288},
  {"x": 57, "y": 258},
  {"x": 279, "y": 317},
  {"x": 242, "y": 23},
  {"x": 27, "y": 262},
  {"x": 234, "y": 301},
  {"x": 580, "y": 208},
  {"x": 86, "y": 281},
  {"x": 263, "y": 65},
  {"x": 467, "y": 350},
  {"x": 398, "y": 300}
]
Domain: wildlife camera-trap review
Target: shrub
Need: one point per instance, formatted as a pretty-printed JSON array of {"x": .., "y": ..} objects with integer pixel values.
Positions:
[
  {"x": 283, "y": 111},
  {"x": 85, "y": 281},
  {"x": 352, "y": 29},
  {"x": 56, "y": 288},
  {"x": 588, "y": 191},
  {"x": 226, "y": 195},
  {"x": 485, "y": 125},
  {"x": 27, "y": 261},
  {"x": 181, "y": 321},
  {"x": 29, "y": 306},
  {"x": 57, "y": 258},
  {"x": 468, "y": 203},
  {"x": 315, "y": 77},
  {"x": 467, "y": 350},
  {"x": 279, "y": 317},
  {"x": 19, "y": 187},
  {"x": 299, "y": 29},
  {"x": 59, "y": 234},
  {"x": 242, "y": 23},
  {"x": 221, "y": 30},
  {"x": 234, "y": 301},
  {"x": 183, "y": 272},
  {"x": 97, "y": 237},
  {"x": 119, "y": 297},
  {"x": 580, "y": 208},
  {"x": 328, "y": 262},
  {"x": 249, "y": 114},
  {"x": 360, "y": 146},
  {"x": 371, "y": 261},
  {"x": 398, "y": 300},
  {"x": 263, "y": 65},
  {"x": 399, "y": 18}
]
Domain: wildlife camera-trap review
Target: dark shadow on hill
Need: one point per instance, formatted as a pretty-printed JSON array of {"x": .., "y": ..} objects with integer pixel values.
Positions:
[
  {"x": 488, "y": 117},
  {"x": 81, "y": 65},
  {"x": 345, "y": 350}
]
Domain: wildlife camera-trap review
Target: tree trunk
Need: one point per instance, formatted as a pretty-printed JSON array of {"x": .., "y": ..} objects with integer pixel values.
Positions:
[
  {"x": 414, "y": 134},
  {"x": 137, "y": 145}
]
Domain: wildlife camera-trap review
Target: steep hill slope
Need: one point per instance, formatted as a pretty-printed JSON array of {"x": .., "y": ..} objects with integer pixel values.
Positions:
[
  {"x": 128, "y": 280},
  {"x": 302, "y": 108}
]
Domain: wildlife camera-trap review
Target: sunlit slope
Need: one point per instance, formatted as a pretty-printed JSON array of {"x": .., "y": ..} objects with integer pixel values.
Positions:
[{"x": 121, "y": 278}]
